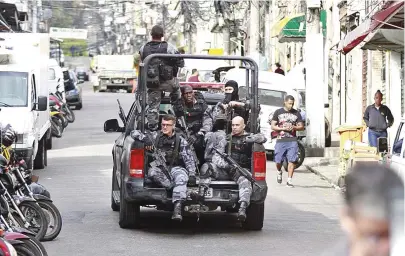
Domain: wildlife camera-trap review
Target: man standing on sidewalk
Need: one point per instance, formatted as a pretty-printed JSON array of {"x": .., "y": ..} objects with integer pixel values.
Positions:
[
  {"x": 378, "y": 118},
  {"x": 286, "y": 121}
]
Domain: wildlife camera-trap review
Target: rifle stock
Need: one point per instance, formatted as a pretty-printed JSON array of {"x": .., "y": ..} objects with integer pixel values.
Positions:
[
  {"x": 159, "y": 159},
  {"x": 239, "y": 168}
]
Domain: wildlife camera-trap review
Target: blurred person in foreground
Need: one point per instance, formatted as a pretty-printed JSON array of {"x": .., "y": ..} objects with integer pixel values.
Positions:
[{"x": 370, "y": 206}]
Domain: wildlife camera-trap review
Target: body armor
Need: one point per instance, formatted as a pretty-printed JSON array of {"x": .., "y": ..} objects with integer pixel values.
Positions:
[
  {"x": 168, "y": 147},
  {"x": 194, "y": 115},
  {"x": 158, "y": 70},
  {"x": 241, "y": 151}
]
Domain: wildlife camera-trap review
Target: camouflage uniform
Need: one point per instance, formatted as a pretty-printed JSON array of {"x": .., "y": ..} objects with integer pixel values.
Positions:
[
  {"x": 178, "y": 173},
  {"x": 216, "y": 167},
  {"x": 154, "y": 95}
]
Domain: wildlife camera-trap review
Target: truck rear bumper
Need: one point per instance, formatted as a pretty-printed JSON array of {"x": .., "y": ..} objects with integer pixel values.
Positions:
[{"x": 135, "y": 192}]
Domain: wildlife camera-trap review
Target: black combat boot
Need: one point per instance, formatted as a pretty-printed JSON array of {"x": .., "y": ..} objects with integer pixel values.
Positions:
[
  {"x": 242, "y": 211},
  {"x": 178, "y": 207}
]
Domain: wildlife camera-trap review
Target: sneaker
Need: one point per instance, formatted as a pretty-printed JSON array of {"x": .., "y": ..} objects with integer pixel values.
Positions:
[
  {"x": 279, "y": 177},
  {"x": 289, "y": 184}
]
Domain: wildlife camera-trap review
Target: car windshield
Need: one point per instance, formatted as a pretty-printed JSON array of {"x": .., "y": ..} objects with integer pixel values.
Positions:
[
  {"x": 13, "y": 89},
  {"x": 266, "y": 96}
]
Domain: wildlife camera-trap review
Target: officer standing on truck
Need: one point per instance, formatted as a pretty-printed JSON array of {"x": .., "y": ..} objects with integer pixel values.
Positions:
[
  {"x": 239, "y": 146},
  {"x": 195, "y": 116},
  {"x": 161, "y": 76},
  {"x": 179, "y": 160}
]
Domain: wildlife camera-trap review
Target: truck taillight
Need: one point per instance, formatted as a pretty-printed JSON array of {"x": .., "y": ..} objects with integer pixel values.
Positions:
[
  {"x": 136, "y": 163},
  {"x": 259, "y": 165}
]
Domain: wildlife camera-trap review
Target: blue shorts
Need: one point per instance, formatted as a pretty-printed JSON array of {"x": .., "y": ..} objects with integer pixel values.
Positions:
[{"x": 287, "y": 149}]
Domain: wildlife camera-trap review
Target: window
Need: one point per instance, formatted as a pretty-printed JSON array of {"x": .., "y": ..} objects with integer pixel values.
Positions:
[
  {"x": 266, "y": 97},
  {"x": 52, "y": 74},
  {"x": 397, "y": 147},
  {"x": 14, "y": 89}
]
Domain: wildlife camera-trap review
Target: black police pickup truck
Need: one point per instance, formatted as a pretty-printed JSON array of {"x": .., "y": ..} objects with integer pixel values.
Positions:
[{"x": 130, "y": 190}]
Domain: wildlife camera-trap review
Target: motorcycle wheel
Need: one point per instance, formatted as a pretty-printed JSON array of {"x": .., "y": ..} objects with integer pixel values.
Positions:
[
  {"x": 56, "y": 128},
  {"x": 300, "y": 160},
  {"x": 70, "y": 116},
  {"x": 63, "y": 120},
  {"x": 41, "y": 220},
  {"x": 33, "y": 245},
  {"x": 22, "y": 250},
  {"x": 54, "y": 220}
]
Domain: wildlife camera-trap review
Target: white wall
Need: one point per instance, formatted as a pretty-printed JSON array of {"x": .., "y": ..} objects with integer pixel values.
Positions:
[{"x": 394, "y": 74}]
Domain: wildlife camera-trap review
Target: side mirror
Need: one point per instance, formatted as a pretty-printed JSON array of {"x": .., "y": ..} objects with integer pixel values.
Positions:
[
  {"x": 111, "y": 125},
  {"x": 42, "y": 104},
  {"x": 326, "y": 105},
  {"x": 382, "y": 145}
]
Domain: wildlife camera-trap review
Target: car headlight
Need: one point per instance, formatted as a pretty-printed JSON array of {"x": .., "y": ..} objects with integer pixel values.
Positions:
[{"x": 22, "y": 138}]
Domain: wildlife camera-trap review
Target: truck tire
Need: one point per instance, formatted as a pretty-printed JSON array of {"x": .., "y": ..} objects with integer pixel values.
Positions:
[
  {"x": 49, "y": 140},
  {"x": 254, "y": 217},
  {"x": 39, "y": 161},
  {"x": 130, "y": 213}
]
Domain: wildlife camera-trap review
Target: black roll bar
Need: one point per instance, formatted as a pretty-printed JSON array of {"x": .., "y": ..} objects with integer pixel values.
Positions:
[{"x": 250, "y": 65}]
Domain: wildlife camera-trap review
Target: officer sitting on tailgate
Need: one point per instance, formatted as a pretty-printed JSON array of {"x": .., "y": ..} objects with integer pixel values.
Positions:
[
  {"x": 161, "y": 76},
  {"x": 239, "y": 146},
  {"x": 177, "y": 155},
  {"x": 195, "y": 116}
]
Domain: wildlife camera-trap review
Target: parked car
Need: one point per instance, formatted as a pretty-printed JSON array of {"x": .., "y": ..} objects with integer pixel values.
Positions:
[
  {"x": 73, "y": 89},
  {"x": 82, "y": 73}
]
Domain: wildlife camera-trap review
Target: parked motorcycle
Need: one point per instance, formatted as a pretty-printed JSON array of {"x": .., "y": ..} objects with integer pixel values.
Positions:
[
  {"x": 23, "y": 211},
  {"x": 23, "y": 188},
  {"x": 61, "y": 101}
]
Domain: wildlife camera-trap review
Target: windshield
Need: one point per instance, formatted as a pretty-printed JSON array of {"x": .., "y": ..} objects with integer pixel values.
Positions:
[
  {"x": 14, "y": 89},
  {"x": 266, "y": 97}
]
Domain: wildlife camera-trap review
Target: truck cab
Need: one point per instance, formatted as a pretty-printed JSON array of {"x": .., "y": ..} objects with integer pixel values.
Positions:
[
  {"x": 130, "y": 186},
  {"x": 24, "y": 94}
]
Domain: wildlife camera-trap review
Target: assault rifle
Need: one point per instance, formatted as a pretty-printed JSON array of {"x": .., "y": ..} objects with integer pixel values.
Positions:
[
  {"x": 159, "y": 159},
  {"x": 184, "y": 124},
  {"x": 238, "y": 168}
]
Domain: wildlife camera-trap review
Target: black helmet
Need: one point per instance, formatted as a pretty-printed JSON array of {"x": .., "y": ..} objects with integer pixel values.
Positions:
[{"x": 9, "y": 136}]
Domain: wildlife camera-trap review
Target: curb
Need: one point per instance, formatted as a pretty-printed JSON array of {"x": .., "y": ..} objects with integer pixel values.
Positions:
[{"x": 324, "y": 162}]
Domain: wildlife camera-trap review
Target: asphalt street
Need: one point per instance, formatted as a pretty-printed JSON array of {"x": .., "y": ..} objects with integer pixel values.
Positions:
[{"x": 298, "y": 221}]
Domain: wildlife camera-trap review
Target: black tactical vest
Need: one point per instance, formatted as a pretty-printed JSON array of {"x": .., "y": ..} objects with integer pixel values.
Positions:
[
  {"x": 241, "y": 151},
  {"x": 158, "y": 70},
  {"x": 168, "y": 146},
  {"x": 194, "y": 115}
]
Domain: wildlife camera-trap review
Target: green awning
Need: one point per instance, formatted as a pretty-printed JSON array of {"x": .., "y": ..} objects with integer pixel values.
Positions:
[{"x": 295, "y": 29}]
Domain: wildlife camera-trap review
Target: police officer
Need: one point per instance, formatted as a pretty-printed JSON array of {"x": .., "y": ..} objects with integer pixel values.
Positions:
[
  {"x": 161, "y": 76},
  {"x": 195, "y": 117},
  {"x": 179, "y": 159},
  {"x": 239, "y": 146}
]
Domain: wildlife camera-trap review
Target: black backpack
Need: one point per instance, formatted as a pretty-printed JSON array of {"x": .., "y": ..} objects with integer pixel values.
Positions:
[{"x": 158, "y": 70}]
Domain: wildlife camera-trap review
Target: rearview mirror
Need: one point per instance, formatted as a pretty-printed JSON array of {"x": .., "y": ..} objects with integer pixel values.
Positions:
[
  {"x": 326, "y": 105},
  {"x": 382, "y": 145},
  {"x": 42, "y": 104},
  {"x": 111, "y": 125}
]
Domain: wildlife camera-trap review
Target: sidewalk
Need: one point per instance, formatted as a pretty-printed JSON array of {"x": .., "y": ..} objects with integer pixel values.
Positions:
[{"x": 326, "y": 168}]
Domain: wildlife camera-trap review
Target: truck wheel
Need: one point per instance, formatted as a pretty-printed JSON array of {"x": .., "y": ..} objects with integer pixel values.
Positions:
[
  {"x": 130, "y": 213},
  {"x": 49, "y": 140},
  {"x": 254, "y": 217},
  {"x": 114, "y": 187},
  {"x": 39, "y": 161}
]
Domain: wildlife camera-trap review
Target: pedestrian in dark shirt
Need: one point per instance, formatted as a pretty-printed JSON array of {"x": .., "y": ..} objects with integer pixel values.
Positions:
[
  {"x": 378, "y": 118},
  {"x": 285, "y": 122},
  {"x": 372, "y": 201},
  {"x": 279, "y": 70}
]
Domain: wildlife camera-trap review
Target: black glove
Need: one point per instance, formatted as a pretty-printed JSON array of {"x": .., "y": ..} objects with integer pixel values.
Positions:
[{"x": 147, "y": 141}]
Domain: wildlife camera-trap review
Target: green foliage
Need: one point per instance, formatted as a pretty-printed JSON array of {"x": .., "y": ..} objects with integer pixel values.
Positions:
[{"x": 80, "y": 44}]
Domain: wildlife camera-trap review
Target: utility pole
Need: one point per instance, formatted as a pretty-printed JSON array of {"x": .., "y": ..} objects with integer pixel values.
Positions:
[
  {"x": 254, "y": 27},
  {"x": 34, "y": 16},
  {"x": 314, "y": 80},
  {"x": 267, "y": 30},
  {"x": 227, "y": 37}
]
